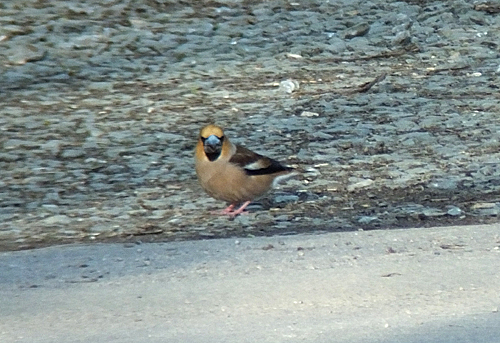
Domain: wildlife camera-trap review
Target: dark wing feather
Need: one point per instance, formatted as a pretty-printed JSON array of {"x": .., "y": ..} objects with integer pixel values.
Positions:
[{"x": 256, "y": 164}]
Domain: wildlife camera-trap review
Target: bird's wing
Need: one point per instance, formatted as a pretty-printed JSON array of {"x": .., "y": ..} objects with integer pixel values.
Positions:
[{"x": 256, "y": 164}]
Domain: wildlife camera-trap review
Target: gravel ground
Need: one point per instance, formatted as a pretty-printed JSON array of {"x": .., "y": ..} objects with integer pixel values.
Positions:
[{"x": 390, "y": 107}]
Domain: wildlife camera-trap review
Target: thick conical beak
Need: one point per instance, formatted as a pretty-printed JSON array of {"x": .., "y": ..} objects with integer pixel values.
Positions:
[{"x": 212, "y": 145}]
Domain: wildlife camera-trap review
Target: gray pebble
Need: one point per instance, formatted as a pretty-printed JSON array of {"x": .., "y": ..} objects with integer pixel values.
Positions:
[
  {"x": 454, "y": 211},
  {"x": 56, "y": 220},
  {"x": 73, "y": 153},
  {"x": 359, "y": 185},
  {"x": 357, "y": 30},
  {"x": 22, "y": 54},
  {"x": 367, "y": 219},
  {"x": 289, "y": 198},
  {"x": 432, "y": 212}
]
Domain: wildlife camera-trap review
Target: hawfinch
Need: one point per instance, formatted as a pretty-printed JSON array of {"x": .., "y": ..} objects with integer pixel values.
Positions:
[{"x": 231, "y": 172}]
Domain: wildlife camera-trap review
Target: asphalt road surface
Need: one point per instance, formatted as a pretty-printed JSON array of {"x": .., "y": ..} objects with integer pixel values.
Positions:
[{"x": 414, "y": 285}]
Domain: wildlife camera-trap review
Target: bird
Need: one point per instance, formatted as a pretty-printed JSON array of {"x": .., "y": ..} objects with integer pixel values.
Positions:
[{"x": 233, "y": 173}]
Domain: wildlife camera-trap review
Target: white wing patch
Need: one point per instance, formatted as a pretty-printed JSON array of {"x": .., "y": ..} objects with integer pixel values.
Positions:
[{"x": 255, "y": 165}]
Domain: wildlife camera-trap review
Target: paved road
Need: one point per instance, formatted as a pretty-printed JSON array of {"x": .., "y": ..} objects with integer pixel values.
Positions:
[{"x": 417, "y": 285}]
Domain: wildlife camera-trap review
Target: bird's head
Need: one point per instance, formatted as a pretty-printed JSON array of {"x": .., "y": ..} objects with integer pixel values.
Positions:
[{"x": 212, "y": 137}]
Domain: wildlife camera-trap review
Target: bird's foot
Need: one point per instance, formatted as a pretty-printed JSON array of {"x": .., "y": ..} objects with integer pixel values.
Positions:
[{"x": 233, "y": 213}]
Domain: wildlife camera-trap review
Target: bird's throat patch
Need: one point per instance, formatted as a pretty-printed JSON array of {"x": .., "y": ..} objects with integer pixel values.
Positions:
[{"x": 212, "y": 156}]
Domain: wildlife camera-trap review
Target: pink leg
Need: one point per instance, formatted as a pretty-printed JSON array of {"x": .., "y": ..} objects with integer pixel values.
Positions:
[
  {"x": 228, "y": 209},
  {"x": 240, "y": 210}
]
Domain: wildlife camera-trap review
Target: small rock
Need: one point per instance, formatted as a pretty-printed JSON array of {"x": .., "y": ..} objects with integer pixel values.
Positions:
[
  {"x": 357, "y": 31},
  {"x": 206, "y": 234},
  {"x": 432, "y": 212},
  {"x": 73, "y": 153},
  {"x": 53, "y": 146},
  {"x": 6, "y": 157},
  {"x": 286, "y": 198},
  {"x": 367, "y": 219},
  {"x": 50, "y": 207},
  {"x": 188, "y": 206},
  {"x": 17, "y": 143},
  {"x": 361, "y": 184},
  {"x": 454, "y": 211},
  {"x": 282, "y": 217},
  {"x": 490, "y": 212},
  {"x": 99, "y": 228},
  {"x": 154, "y": 204},
  {"x": 56, "y": 220},
  {"x": 22, "y": 54},
  {"x": 402, "y": 38},
  {"x": 482, "y": 205},
  {"x": 158, "y": 214},
  {"x": 444, "y": 184},
  {"x": 289, "y": 86},
  {"x": 245, "y": 219},
  {"x": 282, "y": 225},
  {"x": 309, "y": 114}
]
